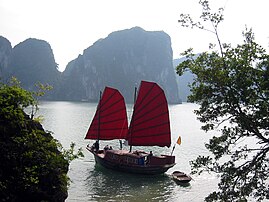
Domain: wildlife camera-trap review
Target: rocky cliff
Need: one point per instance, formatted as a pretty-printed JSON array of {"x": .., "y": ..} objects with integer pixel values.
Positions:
[
  {"x": 5, "y": 53},
  {"x": 122, "y": 60},
  {"x": 32, "y": 61},
  {"x": 183, "y": 81}
]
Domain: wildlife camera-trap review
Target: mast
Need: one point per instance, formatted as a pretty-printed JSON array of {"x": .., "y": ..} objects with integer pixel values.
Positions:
[
  {"x": 133, "y": 110},
  {"x": 99, "y": 117}
]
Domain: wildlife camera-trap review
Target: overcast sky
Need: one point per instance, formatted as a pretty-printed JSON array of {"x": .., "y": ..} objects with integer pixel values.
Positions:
[{"x": 70, "y": 26}]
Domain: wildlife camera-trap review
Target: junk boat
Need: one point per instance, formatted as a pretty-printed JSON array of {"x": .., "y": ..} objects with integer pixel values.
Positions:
[{"x": 149, "y": 126}]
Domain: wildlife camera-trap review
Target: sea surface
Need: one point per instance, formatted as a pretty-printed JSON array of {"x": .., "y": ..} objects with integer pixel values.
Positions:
[{"x": 69, "y": 122}]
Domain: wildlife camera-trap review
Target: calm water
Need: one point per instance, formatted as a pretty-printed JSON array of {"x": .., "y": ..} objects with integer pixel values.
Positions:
[{"x": 69, "y": 122}]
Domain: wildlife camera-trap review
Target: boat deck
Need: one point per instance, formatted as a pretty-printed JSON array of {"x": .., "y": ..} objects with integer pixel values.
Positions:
[{"x": 135, "y": 154}]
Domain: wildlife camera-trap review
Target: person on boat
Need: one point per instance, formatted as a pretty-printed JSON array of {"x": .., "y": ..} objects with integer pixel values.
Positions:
[
  {"x": 110, "y": 148},
  {"x": 147, "y": 159},
  {"x": 106, "y": 148},
  {"x": 95, "y": 146}
]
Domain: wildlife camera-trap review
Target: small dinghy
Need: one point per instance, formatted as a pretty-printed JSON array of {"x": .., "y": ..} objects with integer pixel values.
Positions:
[{"x": 180, "y": 177}]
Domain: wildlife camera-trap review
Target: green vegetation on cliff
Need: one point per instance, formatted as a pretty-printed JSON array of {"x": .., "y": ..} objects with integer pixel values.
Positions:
[{"x": 33, "y": 167}]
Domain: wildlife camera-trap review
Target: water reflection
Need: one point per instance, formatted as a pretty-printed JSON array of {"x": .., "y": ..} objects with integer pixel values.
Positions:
[{"x": 108, "y": 185}]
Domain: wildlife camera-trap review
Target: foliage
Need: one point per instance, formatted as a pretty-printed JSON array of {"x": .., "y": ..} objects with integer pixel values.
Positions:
[
  {"x": 32, "y": 167},
  {"x": 232, "y": 88}
]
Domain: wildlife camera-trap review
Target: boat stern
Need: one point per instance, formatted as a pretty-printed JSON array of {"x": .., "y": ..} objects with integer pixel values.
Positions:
[
  {"x": 162, "y": 160},
  {"x": 169, "y": 159}
]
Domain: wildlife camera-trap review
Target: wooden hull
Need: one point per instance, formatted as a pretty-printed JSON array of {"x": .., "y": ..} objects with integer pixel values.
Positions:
[
  {"x": 180, "y": 177},
  {"x": 140, "y": 163}
]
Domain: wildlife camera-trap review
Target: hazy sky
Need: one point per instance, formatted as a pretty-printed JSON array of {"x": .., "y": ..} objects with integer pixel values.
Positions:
[{"x": 70, "y": 26}]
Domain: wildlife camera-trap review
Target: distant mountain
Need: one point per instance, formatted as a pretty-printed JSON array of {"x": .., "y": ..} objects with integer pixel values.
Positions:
[
  {"x": 32, "y": 61},
  {"x": 122, "y": 60},
  {"x": 183, "y": 81},
  {"x": 5, "y": 53}
]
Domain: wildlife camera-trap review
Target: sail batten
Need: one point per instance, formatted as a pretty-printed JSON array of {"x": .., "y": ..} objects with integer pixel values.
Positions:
[
  {"x": 150, "y": 125},
  {"x": 145, "y": 107},
  {"x": 110, "y": 120},
  {"x": 149, "y": 136},
  {"x": 112, "y": 113},
  {"x": 150, "y": 118},
  {"x": 113, "y": 104}
]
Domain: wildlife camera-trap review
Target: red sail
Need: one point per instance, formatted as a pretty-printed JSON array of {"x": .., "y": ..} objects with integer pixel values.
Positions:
[
  {"x": 110, "y": 120},
  {"x": 150, "y": 125}
]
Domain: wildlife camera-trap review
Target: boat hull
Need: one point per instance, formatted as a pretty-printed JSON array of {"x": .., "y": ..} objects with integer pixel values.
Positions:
[
  {"x": 181, "y": 178},
  {"x": 119, "y": 164}
]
